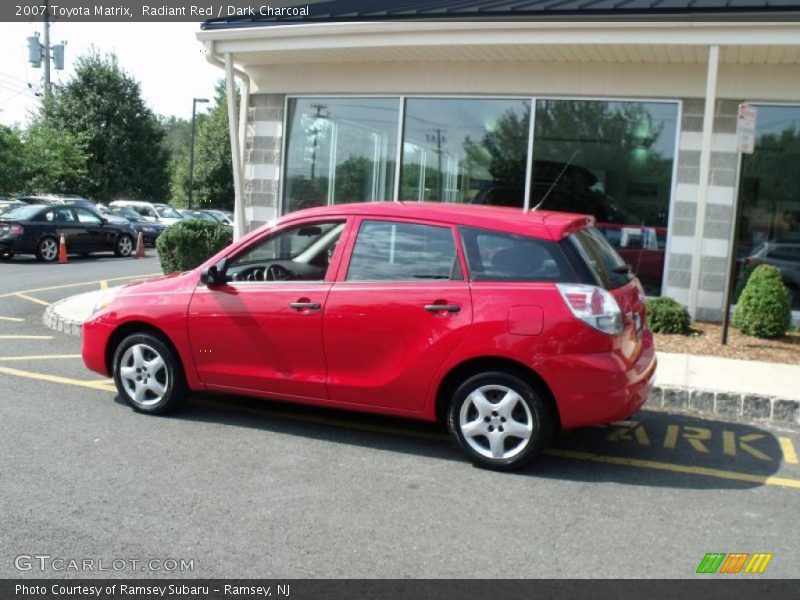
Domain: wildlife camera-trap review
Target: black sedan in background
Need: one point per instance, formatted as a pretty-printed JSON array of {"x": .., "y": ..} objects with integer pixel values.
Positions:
[
  {"x": 150, "y": 230},
  {"x": 36, "y": 229}
]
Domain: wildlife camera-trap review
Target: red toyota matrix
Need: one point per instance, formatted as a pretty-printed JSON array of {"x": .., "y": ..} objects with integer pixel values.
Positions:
[{"x": 504, "y": 325}]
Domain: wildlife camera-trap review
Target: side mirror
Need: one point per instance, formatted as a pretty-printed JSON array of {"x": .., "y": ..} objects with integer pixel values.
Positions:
[{"x": 215, "y": 274}]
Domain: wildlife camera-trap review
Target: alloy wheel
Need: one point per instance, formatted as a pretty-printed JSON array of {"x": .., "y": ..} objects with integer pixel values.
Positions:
[
  {"x": 496, "y": 422},
  {"x": 144, "y": 375}
]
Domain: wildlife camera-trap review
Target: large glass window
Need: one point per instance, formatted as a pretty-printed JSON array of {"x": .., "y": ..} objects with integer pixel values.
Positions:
[
  {"x": 769, "y": 229},
  {"x": 612, "y": 160},
  {"x": 340, "y": 150},
  {"x": 464, "y": 150}
]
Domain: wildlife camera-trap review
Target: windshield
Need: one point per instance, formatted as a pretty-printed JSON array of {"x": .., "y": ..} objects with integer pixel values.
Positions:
[
  {"x": 128, "y": 213},
  {"x": 23, "y": 213},
  {"x": 167, "y": 212}
]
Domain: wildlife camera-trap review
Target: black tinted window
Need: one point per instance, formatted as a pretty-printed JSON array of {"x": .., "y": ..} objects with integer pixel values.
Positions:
[
  {"x": 495, "y": 256},
  {"x": 603, "y": 260},
  {"x": 387, "y": 251}
]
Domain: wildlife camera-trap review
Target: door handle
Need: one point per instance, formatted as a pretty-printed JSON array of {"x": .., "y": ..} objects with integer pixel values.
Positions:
[
  {"x": 451, "y": 308},
  {"x": 305, "y": 305}
]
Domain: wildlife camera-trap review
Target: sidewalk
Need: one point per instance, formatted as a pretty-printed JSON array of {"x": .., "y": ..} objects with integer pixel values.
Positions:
[{"x": 700, "y": 384}]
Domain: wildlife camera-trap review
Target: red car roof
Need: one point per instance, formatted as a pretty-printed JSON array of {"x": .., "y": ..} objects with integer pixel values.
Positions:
[{"x": 539, "y": 223}]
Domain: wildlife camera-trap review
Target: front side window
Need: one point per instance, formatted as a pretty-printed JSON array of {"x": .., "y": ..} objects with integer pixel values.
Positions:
[
  {"x": 167, "y": 212},
  {"x": 298, "y": 253},
  {"x": 84, "y": 216},
  {"x": 496, "y": 256},
  {"x": 389, "y": 251},
  {"x": 340, "y": 150}
]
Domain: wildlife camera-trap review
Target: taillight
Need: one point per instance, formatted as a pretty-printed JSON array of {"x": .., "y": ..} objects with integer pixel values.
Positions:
[
  {"x": 594, "y": 306},
  {"x": 16, "y": 229}
]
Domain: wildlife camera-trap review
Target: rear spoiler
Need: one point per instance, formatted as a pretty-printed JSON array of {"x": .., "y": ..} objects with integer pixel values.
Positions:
[{"x": 560, "y": 225}]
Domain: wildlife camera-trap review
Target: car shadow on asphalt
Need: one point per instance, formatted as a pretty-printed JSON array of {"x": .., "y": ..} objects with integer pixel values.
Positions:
[{"x": 653, "y": 448}]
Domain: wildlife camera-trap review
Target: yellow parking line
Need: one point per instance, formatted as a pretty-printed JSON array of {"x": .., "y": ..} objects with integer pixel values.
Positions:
[
  {"x": 104, "y": 285},
  {"x": 82, "y": 284},
  {"x": 13, "y": 319},
  {"x": 95, "y": 385},
  {"x": 32, "y": 299},
  {"x": 26, "y": 337},
  {"x": 676, "y": 468},
  {"x": 789, "y": 455},
  {"x": 38, "y": 357}
]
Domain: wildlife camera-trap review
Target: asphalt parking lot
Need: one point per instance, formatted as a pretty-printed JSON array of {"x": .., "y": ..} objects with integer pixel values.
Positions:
[{"x": 247, "y": 488}]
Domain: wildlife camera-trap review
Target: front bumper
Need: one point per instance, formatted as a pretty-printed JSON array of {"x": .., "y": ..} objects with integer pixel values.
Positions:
[{"x": 94, "y": 341}]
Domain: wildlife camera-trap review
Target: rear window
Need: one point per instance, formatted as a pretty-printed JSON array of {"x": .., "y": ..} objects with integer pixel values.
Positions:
[
  {"x": 603, "y": 260},
  {"x": 496, "y": 256}
]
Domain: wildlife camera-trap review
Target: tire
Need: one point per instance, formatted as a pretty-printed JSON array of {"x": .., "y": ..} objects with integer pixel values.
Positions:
[
  {"x": 6, "y": 256},
  {"x": 510, "y": 404},
  {"x": 47, "y": 249},
  {"x": 123, "y": 247},
  {"x": 149, "y": 375}
]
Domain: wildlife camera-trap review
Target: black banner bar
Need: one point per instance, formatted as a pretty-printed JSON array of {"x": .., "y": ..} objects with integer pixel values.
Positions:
[{"x": 706, "y": 587}]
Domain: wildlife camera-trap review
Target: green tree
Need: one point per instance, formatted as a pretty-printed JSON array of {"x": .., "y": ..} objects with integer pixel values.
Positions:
[
  {"x": 213, "y": 166},
  {"x": 11, "y": 162},
  {"x": 54, "y": 161},
  {"x": 125, "y": 143}
]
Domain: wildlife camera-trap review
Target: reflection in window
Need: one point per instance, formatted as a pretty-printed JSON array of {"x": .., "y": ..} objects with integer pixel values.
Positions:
[
  {"x": 612, "y": 160},
  {"x": 340, "y": 150},
  {"x": 386, "y": 251},
  {"x": 769, "y": 228},
  {"x": 464, "y": 150}
]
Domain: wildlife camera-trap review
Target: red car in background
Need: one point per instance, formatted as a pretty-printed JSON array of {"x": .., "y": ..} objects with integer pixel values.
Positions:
[{"x": 503, "y": 325}]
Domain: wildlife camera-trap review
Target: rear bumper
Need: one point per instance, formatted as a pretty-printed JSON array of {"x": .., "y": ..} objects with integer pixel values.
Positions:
[{"x": 590, "y": 389}]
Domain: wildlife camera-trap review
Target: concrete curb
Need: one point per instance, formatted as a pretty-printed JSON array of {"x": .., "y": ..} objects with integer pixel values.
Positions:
[
  {"x": 68, "y": 315},
  {"x": 729, "y": 405}
]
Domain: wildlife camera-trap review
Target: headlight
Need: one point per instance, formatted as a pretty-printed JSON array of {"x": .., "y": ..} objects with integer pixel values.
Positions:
[{"x": 104, "y": 300}]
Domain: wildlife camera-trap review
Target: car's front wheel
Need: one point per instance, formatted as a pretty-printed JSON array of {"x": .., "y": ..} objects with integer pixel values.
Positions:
[
  {"x": 148, "y": 374},
  {"x": 47, "y": 249},
  {"x": 124, "y": 245},
  {"x": 499, "y": 420}
]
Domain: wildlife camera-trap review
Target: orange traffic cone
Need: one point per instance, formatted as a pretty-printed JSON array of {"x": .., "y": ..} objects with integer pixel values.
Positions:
[
  {"x": 62, "y": 251},
  {"x": 140, "y": 246}
]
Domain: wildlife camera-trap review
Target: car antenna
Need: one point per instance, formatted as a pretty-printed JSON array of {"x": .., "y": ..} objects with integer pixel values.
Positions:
[{"x": 555, "y": 181}]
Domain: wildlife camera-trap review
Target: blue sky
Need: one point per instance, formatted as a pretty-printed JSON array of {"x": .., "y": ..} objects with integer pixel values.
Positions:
[{"x": 165, "y": 58}]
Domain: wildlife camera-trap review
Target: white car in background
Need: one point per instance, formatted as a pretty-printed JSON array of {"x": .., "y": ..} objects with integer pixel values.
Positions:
[{"x": 156, "y": 212}]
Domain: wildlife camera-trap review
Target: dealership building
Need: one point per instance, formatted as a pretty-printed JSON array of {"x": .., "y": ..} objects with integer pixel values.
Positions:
[{"x": 624, "y": 110}]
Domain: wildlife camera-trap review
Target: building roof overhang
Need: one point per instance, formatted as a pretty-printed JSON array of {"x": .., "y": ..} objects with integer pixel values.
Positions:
[{"x": 751, "y": 42}]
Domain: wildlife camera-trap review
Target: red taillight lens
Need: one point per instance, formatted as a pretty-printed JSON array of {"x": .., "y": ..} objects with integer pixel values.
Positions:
[
  {"x": 16, "y": 229},
  {"x": 594, "y": 306}
]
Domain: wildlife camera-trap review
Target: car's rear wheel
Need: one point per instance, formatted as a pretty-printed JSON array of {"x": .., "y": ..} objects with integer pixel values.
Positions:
[
  {"x": 47, "y": 249},
  {"x": 6, "y": 255},
  {"x": 148, "y": 374},
  {"x": 124, "y": 245},
  {"x": 499, "y": 420}
]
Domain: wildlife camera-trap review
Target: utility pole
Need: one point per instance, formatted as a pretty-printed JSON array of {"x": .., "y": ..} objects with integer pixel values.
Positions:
[
  {"x": 47, "y": 48},
  {"x": 38, "y": 51},
  {"x": 195, "y": 101}
]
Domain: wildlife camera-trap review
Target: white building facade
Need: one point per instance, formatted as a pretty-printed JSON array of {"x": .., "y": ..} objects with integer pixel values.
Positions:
[{"x": 632, "y": 121}]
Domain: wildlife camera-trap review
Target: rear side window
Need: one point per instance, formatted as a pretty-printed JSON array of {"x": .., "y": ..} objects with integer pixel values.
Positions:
[
  {"x": 387, "y": 251},
  {"x": 601, "y": 258},
  {"x": 496, "y": 256}
]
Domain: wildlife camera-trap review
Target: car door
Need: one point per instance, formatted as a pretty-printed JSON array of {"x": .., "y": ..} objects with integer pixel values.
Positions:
[
  {"x": 262, "y": 330},
  {"x": 93, "y": 235},
  {"x": 62, "y": 221},
  {"x": 395, "y": 314}
]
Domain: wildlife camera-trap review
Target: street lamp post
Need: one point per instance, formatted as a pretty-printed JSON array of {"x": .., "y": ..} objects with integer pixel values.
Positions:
[{"x": 191, "y": 147}]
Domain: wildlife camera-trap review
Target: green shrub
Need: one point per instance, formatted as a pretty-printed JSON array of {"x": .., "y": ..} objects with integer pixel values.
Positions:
[
  {"x": 741, "y": 281},
  {"x": 764, "y": 308},
  {"x": 189, "y": 243},
  {"x": 665, "y": 315}
]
